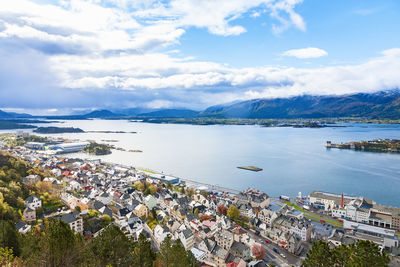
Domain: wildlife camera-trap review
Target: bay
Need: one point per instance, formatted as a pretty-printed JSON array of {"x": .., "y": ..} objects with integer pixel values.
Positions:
[{"x": 293, "y": 159}]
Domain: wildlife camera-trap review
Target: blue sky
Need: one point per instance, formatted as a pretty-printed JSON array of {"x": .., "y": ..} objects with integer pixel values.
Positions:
[{"x": 65, "y": 56}]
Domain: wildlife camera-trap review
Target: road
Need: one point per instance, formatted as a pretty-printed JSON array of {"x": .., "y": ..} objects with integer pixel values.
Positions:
[{"x": 273, "y": 257}]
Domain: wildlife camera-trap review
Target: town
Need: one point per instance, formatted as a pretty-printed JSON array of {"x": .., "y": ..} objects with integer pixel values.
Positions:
[{"x": 220, "y": 226}]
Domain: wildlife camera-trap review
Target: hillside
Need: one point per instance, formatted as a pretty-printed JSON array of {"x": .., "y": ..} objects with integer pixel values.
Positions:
[
  {"x": 171, "y": 113},
  {"x": 4, "y": 114},
  {"x": 101, "y": 114},
  {"x": 375, "y": 105}
]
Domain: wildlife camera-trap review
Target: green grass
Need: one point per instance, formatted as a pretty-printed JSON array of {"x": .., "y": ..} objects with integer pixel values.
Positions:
[
  {"x": 53, "y": 206},
  {"x": 316, "y": 217},
  {"x": 146, "y": 170}
]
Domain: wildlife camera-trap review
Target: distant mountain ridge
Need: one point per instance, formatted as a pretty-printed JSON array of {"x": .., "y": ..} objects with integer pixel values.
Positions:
[
  {"x": 384, "y": 104},
  {"x": 9, "y": 115},
  {"x": 379, "y": 105},
  {"x": 171, "y": 113},
  {"x": 101, "y": 114}
]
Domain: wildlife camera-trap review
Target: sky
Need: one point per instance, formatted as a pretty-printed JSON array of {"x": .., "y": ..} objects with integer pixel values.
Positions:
[{"x": 60, "y": 57}]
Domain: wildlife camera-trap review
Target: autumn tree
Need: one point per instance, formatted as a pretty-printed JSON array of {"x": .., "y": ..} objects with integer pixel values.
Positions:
[
  {"x": 258, "y": 251},
  {"x": 233, "y": 212},
  {"x": 221, "y": 209},
  {"x": 205, "y": 217}
]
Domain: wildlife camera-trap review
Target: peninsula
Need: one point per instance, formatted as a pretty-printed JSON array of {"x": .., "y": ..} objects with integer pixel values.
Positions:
[
  {"x": 98, "y": 149},
  {"x": 56, "y": 130},
  {"x": 376, "y": 145}
]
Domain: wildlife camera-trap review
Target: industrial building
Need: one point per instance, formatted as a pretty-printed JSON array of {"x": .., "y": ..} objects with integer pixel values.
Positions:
[
  {"x": 69, "y": 147},
  {"x": 164, "y": 178}
]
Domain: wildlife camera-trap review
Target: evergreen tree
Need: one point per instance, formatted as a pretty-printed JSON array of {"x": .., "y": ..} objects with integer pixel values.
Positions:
[
  {"x": 57, "y": 245},
  {"x": 164, "y": 255},
  {"x": 143, "y": 254},
  {"x": 173, "y": 254},
  {"x": 111, "y": 247},
  {"x": 363, "y": 253},
  {"x": 9, "y": 237},
  {"x": 319, "y": 255}
]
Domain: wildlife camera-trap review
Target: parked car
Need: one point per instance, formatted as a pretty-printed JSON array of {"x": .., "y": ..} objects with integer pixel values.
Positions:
[
  {"x": 283, "y": 255},
  {"x": 266, "y": 240},
  {"x": 275, "y": 250}
]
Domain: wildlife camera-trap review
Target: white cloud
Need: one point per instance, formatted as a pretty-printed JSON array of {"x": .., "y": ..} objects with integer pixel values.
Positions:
[
  {"x": 88, "y": 53},
  {"x": 309, "y": 52}
]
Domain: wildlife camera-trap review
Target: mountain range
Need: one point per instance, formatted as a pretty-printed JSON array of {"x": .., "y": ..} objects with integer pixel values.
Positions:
[
  {"x": 379, "y": 105},
  {"x": 384, "y": 104}
]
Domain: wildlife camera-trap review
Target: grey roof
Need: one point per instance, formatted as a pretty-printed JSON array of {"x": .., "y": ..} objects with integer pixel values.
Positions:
[
  {"x": 210, "y": 244},
  {"x": 239, "y": 247},
  {"x": 187, "y": 233},
  {"x": 220, "y": 252},
  {"x": 104, "y": 195},
  {"x": 31, "y": 198},
  {"x": 20, "y": 225},
  {"x": 98, "y": 205},
  {"x": 28, "y": 210},
  {"x": 68, "y": 218}
]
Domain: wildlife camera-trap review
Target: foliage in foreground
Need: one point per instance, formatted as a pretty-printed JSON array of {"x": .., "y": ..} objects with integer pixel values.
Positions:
[
  {"x": 363, "y": 253},
  {"x": 58, "y": 245}
]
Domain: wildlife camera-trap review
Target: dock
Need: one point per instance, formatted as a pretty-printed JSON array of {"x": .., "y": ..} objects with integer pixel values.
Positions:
[{"x": 250, "y": 168}]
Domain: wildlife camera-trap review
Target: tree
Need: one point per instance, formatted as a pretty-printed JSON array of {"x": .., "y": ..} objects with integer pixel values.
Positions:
[
  {"x": 366, "y": 253},
  {"x": 204, "y": 193},
  {"x": 169, "y": 185},
  {"x": 56, "y": 246},
  {"x": 7, "y": 258},
  {"x": 111, "y": 247},
  {"x": 233, "y": 212},
  {"x": 9, "y": 237},
  {"x": 319, "y": 255},
  {"x": 363, "y": 253},
  {"x": 143, "y": 254},
  {"x": 258, "y": 251},
  {"x": 173, "y": 254},
  {"x": 164, "y": 255},
  {"x": 205, "y": 217},
  {"x": 106, "y": 218},
  {"x": 221, "y": 209}
]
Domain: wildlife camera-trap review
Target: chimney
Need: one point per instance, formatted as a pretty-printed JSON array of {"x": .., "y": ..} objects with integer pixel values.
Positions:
[{"x": 341, "y": 202}]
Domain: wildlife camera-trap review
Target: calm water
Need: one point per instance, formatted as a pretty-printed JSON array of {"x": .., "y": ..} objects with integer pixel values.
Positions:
[{"x": 293, "y": 159}]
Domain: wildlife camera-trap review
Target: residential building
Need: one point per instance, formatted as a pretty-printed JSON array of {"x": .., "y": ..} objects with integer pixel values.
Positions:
[
  {"x": 141, "y": 210},
  {"x": 224, "y": 239},
  {"x": 29, "y": 214},
  {"x": 187, "y": 238},
  {"x": 74, "y": 220},
  {"x": 33, "y": 202}
]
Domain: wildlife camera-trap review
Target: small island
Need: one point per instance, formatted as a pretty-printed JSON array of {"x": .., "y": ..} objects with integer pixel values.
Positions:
[
  {"x": 377, "y": 145},
  {"x": 250, "y": 168},
  {"x": 98, "y": 149},
  {"x": 135, "y": 150},
  {"x": 56, "y": 130}
]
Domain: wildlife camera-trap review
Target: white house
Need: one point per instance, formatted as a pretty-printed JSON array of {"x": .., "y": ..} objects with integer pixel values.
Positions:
[
  {"x": 160, "y": 233},
  {"x": 33, "y": 202},
  {"x": 187, "y": 238},
  {"x": 267, "y": 216}
]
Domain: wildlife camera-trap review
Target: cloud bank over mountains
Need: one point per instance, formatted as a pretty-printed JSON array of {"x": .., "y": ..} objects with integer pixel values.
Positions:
[{"x": 77, "y": 54}]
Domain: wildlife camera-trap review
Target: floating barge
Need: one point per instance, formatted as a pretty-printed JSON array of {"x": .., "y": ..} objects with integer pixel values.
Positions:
[{"x": 250, "y": 168}]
